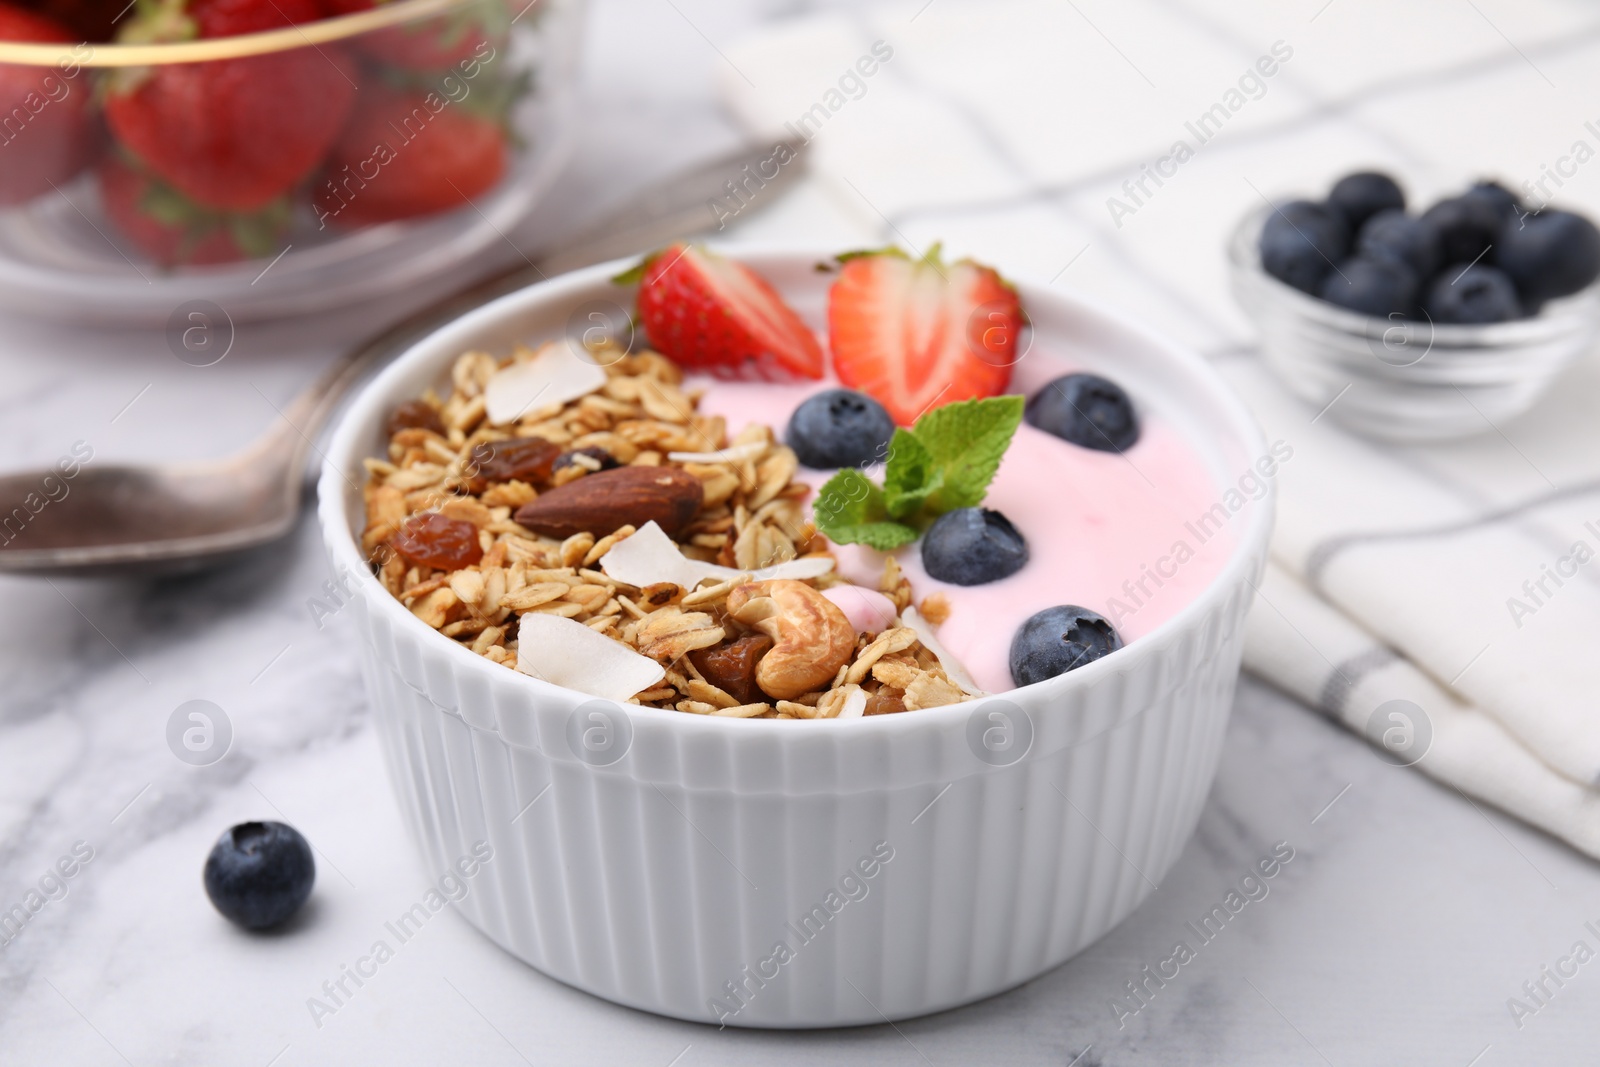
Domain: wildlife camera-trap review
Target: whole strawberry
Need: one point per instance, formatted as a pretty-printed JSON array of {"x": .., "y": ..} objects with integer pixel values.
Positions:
[
  {"x": 410, "y": 152},
  {"x": 716, "y": 315},
  {"x": 47, "y": 135},
  {"x": 913, "y": 333},
  {"x": 88, "y": 20},
  {"x": 234, "y": 134},
  {"x": 475, "y": 32},
  {"x": 175, "y": 231}
]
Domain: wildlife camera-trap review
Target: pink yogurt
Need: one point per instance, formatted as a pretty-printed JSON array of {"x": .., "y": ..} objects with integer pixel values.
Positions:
[{"x": 1132, "y": 536}]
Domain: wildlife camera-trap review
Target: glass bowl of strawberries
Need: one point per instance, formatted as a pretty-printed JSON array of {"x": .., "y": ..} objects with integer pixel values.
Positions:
[{"x": 270, "y": 157}]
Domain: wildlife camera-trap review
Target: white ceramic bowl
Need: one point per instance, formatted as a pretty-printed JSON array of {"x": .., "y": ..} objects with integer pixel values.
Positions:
[{"x": 908, "y": 863}]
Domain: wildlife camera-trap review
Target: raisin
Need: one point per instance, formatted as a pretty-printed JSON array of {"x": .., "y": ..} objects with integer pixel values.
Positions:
[
  {"x": 731, "y": 667},
  {"x": 524, "y": 459},
  {"x": 434, "y": 540},
  {"x": 415, "y": 415},
  {"x": 606, "y": 460},
  {"x": 885, "y": 701}
]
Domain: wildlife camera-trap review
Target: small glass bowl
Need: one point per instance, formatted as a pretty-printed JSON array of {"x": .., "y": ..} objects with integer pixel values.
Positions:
[
  {"x": 1398, "y": 379},
  {"x": 374, "y": 150}
]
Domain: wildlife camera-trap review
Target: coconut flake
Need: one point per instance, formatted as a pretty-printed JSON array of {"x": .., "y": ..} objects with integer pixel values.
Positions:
[
  {"x": 952, "y": 666},
  {"x": 731, "y": 454},
  {"x": 567, "y": 653},
  {"x": 798, "y": 569},
  {"x": 555, "y": 375},
  {"x": 854, "y": 705},
  {"x": 649, "y": 556}
]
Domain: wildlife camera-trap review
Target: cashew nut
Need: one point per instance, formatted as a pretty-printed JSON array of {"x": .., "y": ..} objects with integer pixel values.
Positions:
[{"x": 813, "y": 639}]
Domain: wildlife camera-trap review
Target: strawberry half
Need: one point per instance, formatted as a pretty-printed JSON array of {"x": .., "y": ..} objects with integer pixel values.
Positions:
[
  {"x": 716, "y": 315},
  {"x": 915, "y": 333}
]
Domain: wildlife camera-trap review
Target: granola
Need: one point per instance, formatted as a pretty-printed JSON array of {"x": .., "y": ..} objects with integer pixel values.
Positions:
[{"x": 744, "y": 646}]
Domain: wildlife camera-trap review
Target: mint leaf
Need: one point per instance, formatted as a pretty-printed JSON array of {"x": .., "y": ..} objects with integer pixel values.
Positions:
[
  {"x": 944, "y": 462},
  {"x": 851, "y": 510},
  {"x": 965, "y": 442},
  {"x": 883, "y": 536},
  {"x": 909, "y": 476}
]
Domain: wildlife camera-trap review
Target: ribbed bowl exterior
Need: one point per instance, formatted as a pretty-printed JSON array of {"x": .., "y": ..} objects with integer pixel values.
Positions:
[
  {"x": 811, "y": 873},
  {"x": 659, "y": 879}
]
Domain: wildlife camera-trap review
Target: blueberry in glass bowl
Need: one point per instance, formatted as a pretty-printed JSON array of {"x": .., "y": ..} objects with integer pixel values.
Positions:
[{"x": 1427, "y": 324}]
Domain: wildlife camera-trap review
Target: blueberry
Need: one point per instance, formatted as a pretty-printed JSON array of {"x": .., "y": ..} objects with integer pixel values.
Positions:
[
  {"x": 259, "y": 873},
  {"x": 1503, "y": 200},
  {"x": 1362, "y": 195},
  {"x": 1087, "y": 410},
  {"x": 1396, "y": 235},
  {"x": 606, "y": 460},
  {"x": 971, "y": 546},
  {"x": 839, "y": 428},
  {"x": 1474, "y": 294},
  {"x": 1058, "y": 640},
  {"x": 1300, "y": 243},
  {"x": 1551, "y": 254},
  {"x": 1467, "y": 225},
  {"x": 1372, "y": 286}
]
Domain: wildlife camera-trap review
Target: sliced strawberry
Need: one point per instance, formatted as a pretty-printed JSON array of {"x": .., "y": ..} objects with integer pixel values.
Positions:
[
  {"x": 716, "y": 315},
  {"x": 913, "y": 334}
]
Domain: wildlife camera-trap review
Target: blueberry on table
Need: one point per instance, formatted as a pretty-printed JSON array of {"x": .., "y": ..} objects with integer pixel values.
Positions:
[
  {"x": 972, "y": 546},
  {"x": 1300, "y": 243},
  {"x": 1394, "y": 234},
  {"x": 1372, "y": 286},
  {"x": 1362, "y": 195},
  {"x": 259, "y": 873},
  {"x": 1086, "y": 410},
  {"x": 1467, "y": 225},
  {"x": 1060, "y": 639},
  {"x": 1551, "y": 254},
  {"x": 839, "y": 428},
  {"x": 1473, "y": 295},
  {"x": 1503, "y": 200}
]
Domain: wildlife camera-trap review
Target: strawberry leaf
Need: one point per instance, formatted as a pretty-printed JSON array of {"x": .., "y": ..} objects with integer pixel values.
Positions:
[
  {"x": 634, "y": 274},
  {"x": 850, "y": 510}
]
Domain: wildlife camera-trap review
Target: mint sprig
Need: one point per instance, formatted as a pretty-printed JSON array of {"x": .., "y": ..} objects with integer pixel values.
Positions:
[{"x": 945, "y": 461}]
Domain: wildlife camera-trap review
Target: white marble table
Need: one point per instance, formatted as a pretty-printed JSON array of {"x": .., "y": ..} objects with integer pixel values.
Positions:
[{"x": 1406, "y": 920}]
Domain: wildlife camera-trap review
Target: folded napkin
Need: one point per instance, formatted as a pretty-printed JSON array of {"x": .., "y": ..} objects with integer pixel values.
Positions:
[
  {"x": 1464, "y": 579},
  {"x": 1446, "y": 597},
  {"x": 1313, "y": 650}
]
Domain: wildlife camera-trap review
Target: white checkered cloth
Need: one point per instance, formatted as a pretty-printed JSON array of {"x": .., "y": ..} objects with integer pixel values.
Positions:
[
  {"x": 1451, "y": 589},
  {"x": 1448, "y": 577}
]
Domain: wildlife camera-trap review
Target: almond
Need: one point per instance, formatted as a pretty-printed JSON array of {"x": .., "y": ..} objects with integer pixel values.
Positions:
[{"x": 628, "y": 496}]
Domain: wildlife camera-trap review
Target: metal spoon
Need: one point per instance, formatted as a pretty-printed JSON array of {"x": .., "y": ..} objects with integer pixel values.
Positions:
[{"x": 128, "y": 520}]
